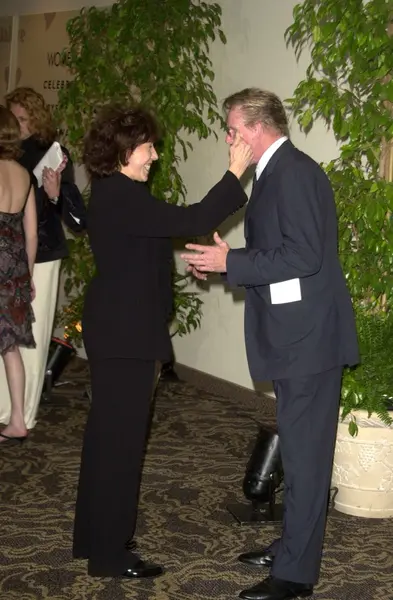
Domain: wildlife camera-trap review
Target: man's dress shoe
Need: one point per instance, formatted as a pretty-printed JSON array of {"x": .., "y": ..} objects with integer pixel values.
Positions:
[
  {"x": 139, "y": 568},
  {"x": 272, "y": 588},
  {"x": 258, "y": 558}
]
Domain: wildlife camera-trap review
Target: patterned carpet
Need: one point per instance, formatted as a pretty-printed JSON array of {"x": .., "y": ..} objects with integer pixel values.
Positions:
[{"x": 194, "y": 466}]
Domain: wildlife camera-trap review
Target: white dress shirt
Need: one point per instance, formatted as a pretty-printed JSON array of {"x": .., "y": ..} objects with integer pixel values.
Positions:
[{"x": 266, "y": 156}]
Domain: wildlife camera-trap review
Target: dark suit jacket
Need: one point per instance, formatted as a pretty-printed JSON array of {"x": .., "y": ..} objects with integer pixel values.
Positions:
[
  {"x": 52, "y": 243},
  {"x": 129, "y": 302},
  {"x": 291, "y": 232}
]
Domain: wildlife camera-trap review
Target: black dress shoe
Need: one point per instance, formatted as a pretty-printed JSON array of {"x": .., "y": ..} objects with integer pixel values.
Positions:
[
  {"x": 139, "y": 568},
  {"x": 258, "y": 558},
  {"x": 272, "y": 588}
]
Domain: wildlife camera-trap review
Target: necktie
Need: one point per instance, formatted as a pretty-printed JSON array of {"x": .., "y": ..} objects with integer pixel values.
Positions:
[{"x": 254, "y": 182}]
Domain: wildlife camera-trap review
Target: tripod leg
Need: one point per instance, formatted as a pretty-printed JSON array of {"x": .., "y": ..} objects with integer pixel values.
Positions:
[{"x": 272, "y": 498}]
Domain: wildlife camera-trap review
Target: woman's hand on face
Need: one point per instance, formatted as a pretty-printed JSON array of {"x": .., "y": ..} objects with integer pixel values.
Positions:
[
  {"x": 240, "y": 155},
  {"x": 51, "y": 181}
]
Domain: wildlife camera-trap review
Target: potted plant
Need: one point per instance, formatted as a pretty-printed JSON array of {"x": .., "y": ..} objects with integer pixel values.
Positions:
[
  {"x": 154, "y": 53},
  {"x": 348, "y": 85}
]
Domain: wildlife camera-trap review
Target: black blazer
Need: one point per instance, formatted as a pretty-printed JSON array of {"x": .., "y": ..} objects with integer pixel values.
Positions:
[
  {"x": 129, "y": 302},
  {"x": 70, "y": 208},
  {"x": 291, "y": 232}
]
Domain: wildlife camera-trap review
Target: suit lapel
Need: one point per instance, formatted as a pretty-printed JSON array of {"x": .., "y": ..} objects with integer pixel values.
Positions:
[
  {"x": 255, "y": 193},
  {"x": 258, "y": 184},
  {"x": 286, "y": 147}
]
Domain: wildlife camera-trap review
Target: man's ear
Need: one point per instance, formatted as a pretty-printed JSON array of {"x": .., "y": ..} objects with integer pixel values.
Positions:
[{"x": 257, "y": 130}]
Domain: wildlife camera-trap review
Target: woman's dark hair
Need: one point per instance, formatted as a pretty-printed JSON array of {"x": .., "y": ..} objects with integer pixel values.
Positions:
[
  {"x": 9, "y": 135},
  {"x": 114, "y": 135}
]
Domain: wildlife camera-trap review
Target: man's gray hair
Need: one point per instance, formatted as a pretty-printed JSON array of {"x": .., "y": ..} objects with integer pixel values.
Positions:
[{"x": 259, "y": 106}]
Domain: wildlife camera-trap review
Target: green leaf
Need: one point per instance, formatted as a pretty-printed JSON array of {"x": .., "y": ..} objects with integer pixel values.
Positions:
[
  {"x": 353, "y": 428},
  {"x": 222, "y": 36},
  {"x": 306, "y": 119}
]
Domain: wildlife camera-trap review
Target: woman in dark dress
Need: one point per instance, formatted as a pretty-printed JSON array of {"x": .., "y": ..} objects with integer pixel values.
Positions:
[
  {"x": 125, "y": 323},
  {"x": 18, "y": 246}
]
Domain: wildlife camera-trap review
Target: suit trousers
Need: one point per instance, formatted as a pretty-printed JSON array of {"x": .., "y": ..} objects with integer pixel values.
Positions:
[
  {"x": 307, "y": 417},
  {"x": 111, "y": 464}
]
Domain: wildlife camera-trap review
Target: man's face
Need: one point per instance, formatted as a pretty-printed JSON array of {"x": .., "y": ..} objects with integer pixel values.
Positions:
[{"x": 235, "y": 124}]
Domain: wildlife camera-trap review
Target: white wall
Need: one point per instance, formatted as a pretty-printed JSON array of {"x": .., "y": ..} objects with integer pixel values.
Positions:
[{"x": 255, "y": 55}]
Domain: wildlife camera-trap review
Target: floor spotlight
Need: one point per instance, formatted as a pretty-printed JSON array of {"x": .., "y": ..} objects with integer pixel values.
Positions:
[
  {"x": 261, "y": 481},
  {"x": 168, "y": 373},
  {"x": 60, "y": 353}
]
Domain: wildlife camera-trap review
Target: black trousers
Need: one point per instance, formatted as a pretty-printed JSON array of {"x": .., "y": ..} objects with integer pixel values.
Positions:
[
  {"x": 111, "y": 464},
  {"x": 307, "y": 417}
]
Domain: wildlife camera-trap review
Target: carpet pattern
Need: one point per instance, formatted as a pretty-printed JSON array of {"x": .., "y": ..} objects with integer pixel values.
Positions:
[{"x": 194, "y": 467}]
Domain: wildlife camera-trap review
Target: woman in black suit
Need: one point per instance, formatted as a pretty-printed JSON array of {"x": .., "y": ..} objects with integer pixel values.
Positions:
[{"x": 125, "y": 323}]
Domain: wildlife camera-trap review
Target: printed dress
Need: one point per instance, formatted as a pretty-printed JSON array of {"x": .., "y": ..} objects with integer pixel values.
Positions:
[{"x": 16, "y": 314}]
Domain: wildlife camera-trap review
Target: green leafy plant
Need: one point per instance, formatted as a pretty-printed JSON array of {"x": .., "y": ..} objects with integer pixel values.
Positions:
[
  {"x": 348, "y": 85},
  {"x": 152, "y": 53},
  {"x": 369, "y": 385}
]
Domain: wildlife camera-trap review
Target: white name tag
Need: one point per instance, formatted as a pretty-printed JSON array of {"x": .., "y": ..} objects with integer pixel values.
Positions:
[{"x": 285, "y": 291}]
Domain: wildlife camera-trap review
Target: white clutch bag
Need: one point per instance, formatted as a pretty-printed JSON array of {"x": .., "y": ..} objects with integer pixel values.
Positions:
[{"x": 52, "y": 159}]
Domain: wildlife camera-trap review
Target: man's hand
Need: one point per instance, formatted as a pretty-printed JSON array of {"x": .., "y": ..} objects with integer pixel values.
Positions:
[
  {"x": 212, "y": 259},
  {"x": 195, "y": 273}
]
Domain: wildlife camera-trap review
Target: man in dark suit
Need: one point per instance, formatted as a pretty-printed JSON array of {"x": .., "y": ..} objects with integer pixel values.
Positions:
[{"x": 299, "y": 327}]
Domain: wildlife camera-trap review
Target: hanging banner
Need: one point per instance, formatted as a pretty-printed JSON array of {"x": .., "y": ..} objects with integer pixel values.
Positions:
[
  {"x": 5, "y": 49},
  {"x": 40, "y": 61}
]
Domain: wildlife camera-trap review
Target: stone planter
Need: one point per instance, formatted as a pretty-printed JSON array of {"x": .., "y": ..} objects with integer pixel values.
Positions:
[{"x": 363, "y": 468}]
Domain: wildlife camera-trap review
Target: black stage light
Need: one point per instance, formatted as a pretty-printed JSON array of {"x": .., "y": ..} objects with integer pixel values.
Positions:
[
  {"x": 262, "y": 479},
  {"x": 60, "y": 353},
  {"x": 168, "y": 373}
]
